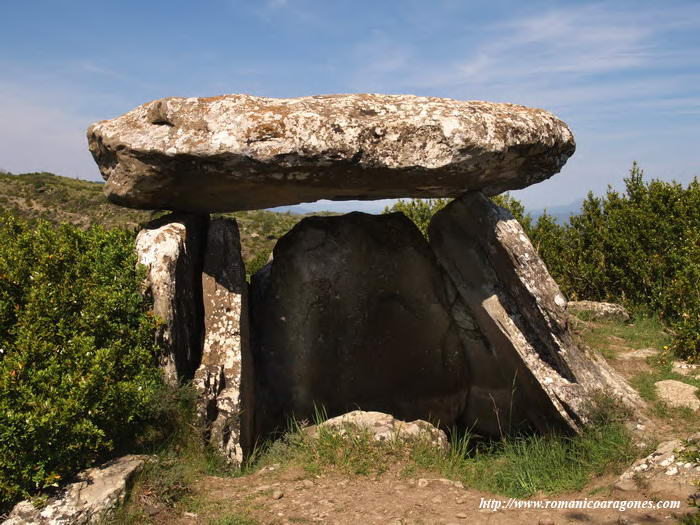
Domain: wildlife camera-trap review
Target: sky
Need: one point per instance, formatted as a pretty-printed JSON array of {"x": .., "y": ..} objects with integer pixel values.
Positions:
[{"x": 625, "y": 75}]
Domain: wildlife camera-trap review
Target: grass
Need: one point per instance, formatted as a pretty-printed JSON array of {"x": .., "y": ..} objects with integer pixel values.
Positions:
[
  {"x": 608, "y": 336},
  {"x": 63, "y": 199},
  {"x": 646, "y": 332},
  {"x": 354, "y": 453},
  {"x": 517, "y": 466},
  {"x": 524, "y": 466},
  {"x": 180, "y": 460},
  {"x": 662, "y": 369}
]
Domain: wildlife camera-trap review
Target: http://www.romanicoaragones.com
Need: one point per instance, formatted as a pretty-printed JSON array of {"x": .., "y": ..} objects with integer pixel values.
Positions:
[{"x": 581, "y": 504}]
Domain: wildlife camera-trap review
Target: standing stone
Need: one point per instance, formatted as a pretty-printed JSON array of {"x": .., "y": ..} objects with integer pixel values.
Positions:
[
  {"x": 351, "y": 313},
  {"x": 171, "y": 249},
  {"x": 520, "y": 310},
  {"x": 237, "y": 152},
  {"x": 224, "y": 380}
]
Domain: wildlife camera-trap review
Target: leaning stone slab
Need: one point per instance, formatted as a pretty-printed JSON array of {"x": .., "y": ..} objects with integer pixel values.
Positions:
[
  {"x": 89, "y": 500},
  {"x": 237, "y": 152},
  {"x": 533, "y": 373},
  {"x": 383, "y": 427},
  {"x": 595, "y": 310},
  {"x": 171, "y": 250},
  {"x": 224, "y": 379}
]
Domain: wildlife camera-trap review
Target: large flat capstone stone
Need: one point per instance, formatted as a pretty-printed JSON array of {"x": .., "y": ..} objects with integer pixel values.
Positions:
[{"x": 237, "y": 152}]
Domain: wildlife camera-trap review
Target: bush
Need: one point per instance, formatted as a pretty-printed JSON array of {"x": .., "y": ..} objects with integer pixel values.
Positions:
[
  {"x": 640, "y": 248},
  {"x": 420, "y": 211},
  {"x": 77, "y": 346}
]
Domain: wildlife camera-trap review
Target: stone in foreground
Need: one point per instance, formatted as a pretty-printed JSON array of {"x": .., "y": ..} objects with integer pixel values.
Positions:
[
  {"x": 351, "y": 313},
  {"x": 224, "y": 379},
  {"x": 678, "y": 394},
  {"x": 88, "y": 501},
  {"x": 171, "y": 248},
  {"x": 238, "y": 152},
  {"x": 672, "y": 470},
  {"x": 595, "y": 310},
  {"x": 532, "y": 372},
  {"x": 383, "y": 427}
]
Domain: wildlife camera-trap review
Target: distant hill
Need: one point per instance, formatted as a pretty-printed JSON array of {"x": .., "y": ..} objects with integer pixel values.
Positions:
[
  {"x": 62, "y": 199},
  {"x": 82, "y": 203}
]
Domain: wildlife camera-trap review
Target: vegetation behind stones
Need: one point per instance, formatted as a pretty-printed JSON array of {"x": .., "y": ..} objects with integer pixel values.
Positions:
[{"x": 640, "y": 247}]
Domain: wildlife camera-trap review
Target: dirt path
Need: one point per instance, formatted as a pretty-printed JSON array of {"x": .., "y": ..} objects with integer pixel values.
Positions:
[{"x": 291, "y": 496}]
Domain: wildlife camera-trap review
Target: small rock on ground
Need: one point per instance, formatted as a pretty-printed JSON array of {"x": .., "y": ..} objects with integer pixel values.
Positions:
[{"x": 678, "y": 394}]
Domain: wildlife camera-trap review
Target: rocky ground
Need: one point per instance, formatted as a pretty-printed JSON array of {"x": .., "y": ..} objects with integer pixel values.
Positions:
[{"x": 287, "y": 493}]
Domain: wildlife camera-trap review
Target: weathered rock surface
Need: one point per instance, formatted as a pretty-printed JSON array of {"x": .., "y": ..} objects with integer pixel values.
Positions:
[
  {"x": 685, "y": 369},
  {"x": 351, "y": 313},
  {"x": 678, "y": 394},
  {"x": 383, "y": 427},
  {"x": 89, "y": 500},
  {"x": 171, "y": 248},
  {"x": 637, "y": 354},
  {"x": 595, "y": 310},
  {"x": 238, "y": 152},
  {"x": 530, "y": 372},
  {"x": 224, "y": 394},
  {"x": 672, "y": 467}
]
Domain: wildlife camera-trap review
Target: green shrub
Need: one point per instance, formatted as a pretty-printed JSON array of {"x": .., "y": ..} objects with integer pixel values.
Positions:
[
  {"x": 641, "y": 248},
  {"x": 77, "y": 370},
  {"x": 420, "y": 211},
  {"x": 257, "y": 263}
]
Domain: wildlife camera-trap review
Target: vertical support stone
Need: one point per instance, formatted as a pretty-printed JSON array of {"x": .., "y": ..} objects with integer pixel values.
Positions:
[
  {"x": 352, "y": 314},
  {"x": 520, "y": 310},
  {"x": 224, "y": 379},
  {"x": 171, "y": 249}
]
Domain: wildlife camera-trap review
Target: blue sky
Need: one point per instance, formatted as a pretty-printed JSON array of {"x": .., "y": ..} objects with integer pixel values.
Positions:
[{"x": 624, "y": 75}]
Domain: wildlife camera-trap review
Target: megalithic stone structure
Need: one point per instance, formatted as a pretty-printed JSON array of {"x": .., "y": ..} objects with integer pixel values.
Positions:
[
  {"x": 469, "y": 329},
  {"x": 352, "y": 313},
  {"x": 196, "y": 278}
]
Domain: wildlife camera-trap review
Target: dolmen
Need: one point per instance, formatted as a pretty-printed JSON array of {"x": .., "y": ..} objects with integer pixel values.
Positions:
[{"x": 465, "y": 329}]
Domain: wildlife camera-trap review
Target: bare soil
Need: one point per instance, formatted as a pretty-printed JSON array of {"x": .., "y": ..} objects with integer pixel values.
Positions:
[
  {"x": 288, "y": 495},
  {"x": 291, "y": 496}
]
